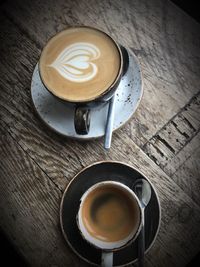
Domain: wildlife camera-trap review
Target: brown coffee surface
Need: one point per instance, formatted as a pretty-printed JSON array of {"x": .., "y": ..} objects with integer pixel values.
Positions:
[
  {"x": 79, "y": 64},
  {"x": 109, "y": 214}
]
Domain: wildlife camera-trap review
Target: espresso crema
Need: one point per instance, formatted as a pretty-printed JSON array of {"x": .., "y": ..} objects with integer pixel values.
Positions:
[{"x": 109, "y": 214}]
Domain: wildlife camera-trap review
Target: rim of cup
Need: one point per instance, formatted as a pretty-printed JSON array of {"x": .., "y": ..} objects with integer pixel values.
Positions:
[
  {"x": 109, "y": 245},
  {"x": 114, "y": 83}
]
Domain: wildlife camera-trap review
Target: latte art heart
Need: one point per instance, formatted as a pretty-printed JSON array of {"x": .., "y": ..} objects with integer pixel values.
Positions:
[
  {"x": 74, "y": 63},
  {"x": 79, "y": 64}
]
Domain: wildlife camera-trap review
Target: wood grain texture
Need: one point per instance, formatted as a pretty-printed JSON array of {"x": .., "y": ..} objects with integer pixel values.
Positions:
[
  {"x": 29, "y": 204},
  {"x": 184, "y": 168},
  {"x": 167, "y": 44},
  {"x": 188, "y": 175},
  {"x": 175, "y": 135},
  {"x": 165, "y": 40}
]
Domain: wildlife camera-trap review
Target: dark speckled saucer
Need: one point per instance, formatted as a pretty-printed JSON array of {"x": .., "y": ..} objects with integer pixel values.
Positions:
[{"x": 102, "y": 171}]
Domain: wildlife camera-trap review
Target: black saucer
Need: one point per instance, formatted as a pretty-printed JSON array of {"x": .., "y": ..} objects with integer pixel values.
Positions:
[{"x": 102, "y": 171}]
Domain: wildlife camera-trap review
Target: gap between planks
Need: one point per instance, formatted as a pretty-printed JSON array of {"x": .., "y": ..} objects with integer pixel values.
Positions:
[{"x": 175, "y": 135}]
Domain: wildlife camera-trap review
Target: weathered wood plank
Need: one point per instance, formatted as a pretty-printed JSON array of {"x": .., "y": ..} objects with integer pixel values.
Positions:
[
  {"x": 165, "y": 146},
  {"x": 175, "y": 163},
  {"x": 165, "y": 39},
  {"x": 29, "y": 204},
  {"x": 184, "y": 168},
  {"x": 188, "y": 175}
]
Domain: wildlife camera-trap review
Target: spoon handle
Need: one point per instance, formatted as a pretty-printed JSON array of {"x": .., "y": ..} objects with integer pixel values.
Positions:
[
  {"x": 141, "y": 243},
  {"x": 109, "y": 123}
]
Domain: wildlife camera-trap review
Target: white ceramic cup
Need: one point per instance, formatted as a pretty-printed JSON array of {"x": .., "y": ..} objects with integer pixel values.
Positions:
[{"x": 108, "y": 247}]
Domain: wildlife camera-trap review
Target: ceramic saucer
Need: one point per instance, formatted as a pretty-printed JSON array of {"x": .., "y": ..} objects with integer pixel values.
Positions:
[
  {"x": 103, "y": 171},
  {"x": 59, "y": 116}
]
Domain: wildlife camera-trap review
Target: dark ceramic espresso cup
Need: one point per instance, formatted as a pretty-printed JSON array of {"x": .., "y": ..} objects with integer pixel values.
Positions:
[{"x": 79, "y": 57}]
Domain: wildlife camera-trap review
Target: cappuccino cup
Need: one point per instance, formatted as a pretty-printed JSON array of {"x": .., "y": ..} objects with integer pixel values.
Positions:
[
  {"x": 109, "y": 217},
  {"x": 81, "y": 66}
]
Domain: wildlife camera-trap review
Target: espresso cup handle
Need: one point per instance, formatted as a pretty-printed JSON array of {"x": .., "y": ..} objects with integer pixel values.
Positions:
[
  {"x": 107, "y": 259},
  {"x": 82, "y": 120}
]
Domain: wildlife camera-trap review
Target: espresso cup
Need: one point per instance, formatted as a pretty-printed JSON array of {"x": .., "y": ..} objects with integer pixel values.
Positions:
[
  {"x": 109, "y": 217},
  {"x": 83, "y": 67}
]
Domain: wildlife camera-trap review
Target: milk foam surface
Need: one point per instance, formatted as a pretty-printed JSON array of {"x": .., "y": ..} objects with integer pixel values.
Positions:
[
  {"x": 79, "y": 64},
  {"x": 75, "y": 62}
]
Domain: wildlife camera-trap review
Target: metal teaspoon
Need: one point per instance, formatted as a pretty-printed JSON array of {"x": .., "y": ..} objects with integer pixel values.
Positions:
[{"x": 142, "y": 189}]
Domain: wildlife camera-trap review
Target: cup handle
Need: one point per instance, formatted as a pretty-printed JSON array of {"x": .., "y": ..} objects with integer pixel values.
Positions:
[
  {"x": 82, "y": 120},
  {"x": 107, "y": 259}
]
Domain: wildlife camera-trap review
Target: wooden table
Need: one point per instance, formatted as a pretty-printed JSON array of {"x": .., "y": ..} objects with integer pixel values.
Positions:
[{"x": 162, "y": 139}]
